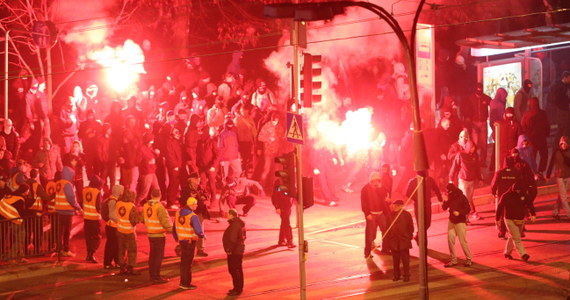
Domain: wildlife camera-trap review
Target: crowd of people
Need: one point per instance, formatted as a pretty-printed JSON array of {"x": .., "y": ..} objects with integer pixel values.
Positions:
[
  {"x": 216, "y": 144},
  {"x": 458, "y": 153},
  {"x": 117, "y": 160}
]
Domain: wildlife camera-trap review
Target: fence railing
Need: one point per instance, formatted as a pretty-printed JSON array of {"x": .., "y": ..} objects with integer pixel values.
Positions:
[{"x": 27, "y": 237}]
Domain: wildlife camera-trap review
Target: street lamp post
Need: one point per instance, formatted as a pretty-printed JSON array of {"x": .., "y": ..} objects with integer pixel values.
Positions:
[
  {"x": 327, "y": 10},
  {"x": 6, "y": 68}
]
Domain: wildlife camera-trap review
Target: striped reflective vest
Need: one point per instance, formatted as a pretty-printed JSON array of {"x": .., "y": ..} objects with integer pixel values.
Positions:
[
  {"x": 37, "y": 206},
  {"x": 61, "y": 202},
  {"x": 123, "y": 210},
  {"x": 13, "y": 184},
  {"x": 8, "y": 210},
  {"x": 90, "y": 204},
  {"x": 184, "y": 228},
  {"x": 50, "y": 190},
  {"x": 150, "y": 214}
]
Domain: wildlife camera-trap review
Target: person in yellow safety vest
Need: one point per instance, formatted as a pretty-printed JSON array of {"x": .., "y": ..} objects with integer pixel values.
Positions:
[
  {"x": 13, "y": 207},
  {"x": 38, "y": 199},
  {"x": 157, "y": 224},
  {"x": 108, "y": 213},
  {"x": 128, "y": 217},
  {"x": 19, "y": 176},
  {"x": 65, "y": 207},
  {"x": 187, "y": 230},
  {"x": 50, "y": 190},
  {"x": 92, "y": 217},
  {"x": 38, "y": 193}
]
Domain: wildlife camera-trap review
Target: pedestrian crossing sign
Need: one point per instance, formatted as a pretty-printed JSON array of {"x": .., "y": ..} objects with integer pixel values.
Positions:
[{"x": 294, "y": 128}]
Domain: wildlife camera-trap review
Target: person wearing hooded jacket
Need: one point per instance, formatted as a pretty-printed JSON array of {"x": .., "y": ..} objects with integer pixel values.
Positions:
[
  {"x": 128, "y": 217},
  {"x": 459, "y": 208},
  {"x": 514, "y": 207},
  {"x": 510, "y": 129},
  {"x": 502, "y": 181},
  {"x": 234, "y": 246},
  {"x": 536, "y": 127},
  {"x": 522, "y": 98},
  {"x": 466, "y": 169},
  {"x": 228, "y": 150},
  {"x": 560, "y": 162},
  {"x": 65, "y": 206},
  {"x": 526, "y": 152},
  {"x": 92, "y": 216},
  {"x": 376, "y": 211}
]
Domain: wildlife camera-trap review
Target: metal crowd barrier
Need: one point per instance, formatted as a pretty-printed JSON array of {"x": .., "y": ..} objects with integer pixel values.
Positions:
[{"x": 27, "y": 237}]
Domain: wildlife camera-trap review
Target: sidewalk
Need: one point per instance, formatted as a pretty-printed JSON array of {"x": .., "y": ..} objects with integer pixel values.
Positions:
[{"x": 321, "y": 220}]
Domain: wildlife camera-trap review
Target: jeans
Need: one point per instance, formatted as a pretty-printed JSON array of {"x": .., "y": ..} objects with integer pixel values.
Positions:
[
  {"x": 186, "y": 257},
  {"x": 92, "y": 235},
  {"x": 235, "y": 164},
  {"x": 563, "y": 184},
  {"x": 173, "y": 189},
  {"x": 147, "y": 181},
  {"x": 404, "y": 257},
  {"x": 128, "y": 248},
  {"x": 378, "y": 221},
  {"x": 458, "y": 230},
  {"x": 111, "y": 246},
  {"x": 63, "y": 232},
  {"x": 236, "y": 270},
  {"x": 285, "y": 231},
  {"x": 155, "y": 256},
  {"x": 129, "y": 178},
  {"x": 248, "y": 200}
]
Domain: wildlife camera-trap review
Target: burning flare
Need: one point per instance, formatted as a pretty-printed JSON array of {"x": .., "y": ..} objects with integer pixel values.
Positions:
[{"x": 123, "y": 64}]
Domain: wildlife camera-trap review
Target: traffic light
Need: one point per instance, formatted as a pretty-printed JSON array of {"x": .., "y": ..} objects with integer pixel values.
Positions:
[
  {"x": 287, "y": 174},
  {"x": 308, "y": 196},
  {"x": 311, "y": 84}
]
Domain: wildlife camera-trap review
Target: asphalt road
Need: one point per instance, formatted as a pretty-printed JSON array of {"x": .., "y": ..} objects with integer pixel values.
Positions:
[{"x": 335, "y": 267}]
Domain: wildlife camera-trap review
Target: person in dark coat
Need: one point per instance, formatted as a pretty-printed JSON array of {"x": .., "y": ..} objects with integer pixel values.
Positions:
[
  {"x": 536, "y": 127},
  {"x": 207, "y": 163},
  {"x": 234, "y": 246},
  {"x": 514, "y": 207},
  {"x": 430, "y": 187},
  {"x": 173, "y": 158},
  {"x": 443, "y": 141},
  {"x": 193, "y": 189},
  {"x": 387, "y": 180},
  {"x": 502, "y": 181},
  {"x": 373, "y": 201},
  {"x": 509, "y": 134},
  {"x": 399, "y": 239},
  {"x": 466, "y": 170},
  {"x": 283, "y": 203},
  {"x": 459, "y": 208}
]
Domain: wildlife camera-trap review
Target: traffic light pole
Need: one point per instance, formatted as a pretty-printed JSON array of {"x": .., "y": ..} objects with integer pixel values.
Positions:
[{"x": 299, "y": 167}]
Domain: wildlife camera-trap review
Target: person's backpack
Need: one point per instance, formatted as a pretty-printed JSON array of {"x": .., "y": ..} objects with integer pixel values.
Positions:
[{"x": 105, "y": 211}]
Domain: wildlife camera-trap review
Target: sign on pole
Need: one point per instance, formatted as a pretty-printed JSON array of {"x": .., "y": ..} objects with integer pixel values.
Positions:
[{"x": 294, "y": 128}]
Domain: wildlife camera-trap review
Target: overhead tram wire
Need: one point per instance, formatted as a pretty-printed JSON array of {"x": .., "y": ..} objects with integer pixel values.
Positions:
[{"x": 311, "y": 42}]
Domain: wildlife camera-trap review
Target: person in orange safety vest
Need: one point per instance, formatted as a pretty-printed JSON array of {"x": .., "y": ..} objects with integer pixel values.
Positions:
[
  {"x": 92, "y": 217},
  {"x": 157, "y": 223}
]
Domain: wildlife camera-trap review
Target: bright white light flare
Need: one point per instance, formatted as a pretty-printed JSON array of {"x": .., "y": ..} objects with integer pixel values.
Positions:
[{"x": 123, "y": 65}]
